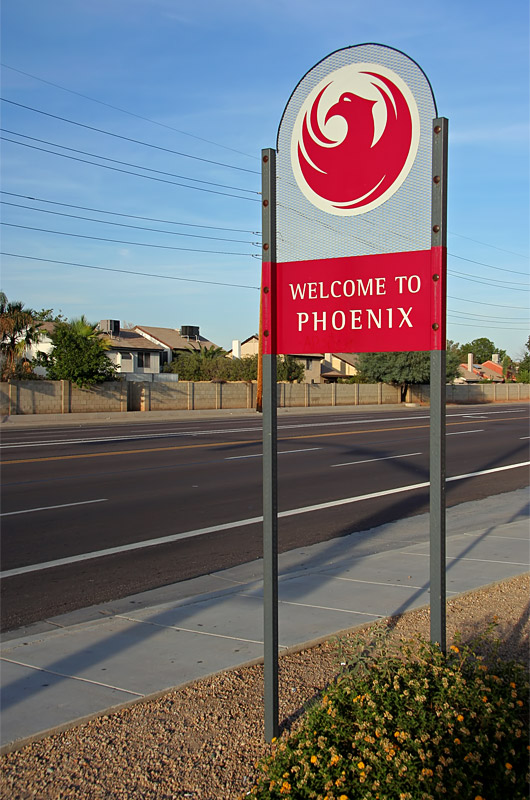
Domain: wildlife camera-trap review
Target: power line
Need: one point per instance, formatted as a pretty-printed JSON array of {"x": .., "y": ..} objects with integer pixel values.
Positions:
[
  {"x": 128, "y": 138},
  {"x": 494, "y": 305},
  {"x": 209, "y": 141},
  {"x": 119, "y": 241},
  {"x": 124, "y": 225},
  {"x": 490, "y": 281},
  {"x": 124, "y": 163},
  {"x": 490, "y": 327},
  {"x": 129, "y": 271},
  {"x": 129, "y": 216},
  {"x": 128, "y": 172},
  {"x": 130, "y": 113},
  {"x": 481, "y": 264},
  {"x": 494, "y": 247},
  {"x": 467, "y": 315}
]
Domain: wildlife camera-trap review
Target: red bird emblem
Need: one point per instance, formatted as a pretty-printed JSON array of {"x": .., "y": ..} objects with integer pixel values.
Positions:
[{"x": 360, "y": 167}]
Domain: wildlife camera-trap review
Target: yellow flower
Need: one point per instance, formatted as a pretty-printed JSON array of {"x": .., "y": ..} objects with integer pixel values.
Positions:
[
  {"x": 273, "y": 739},
  {"x": 479, "y": 797},
  {"x": 360, "y": 765},
  {"x": 519, "y": 702},
  {"x": 314, "y": 759},
  {"x": 286, "y": 787},
  {"x": 426, "y": 771},
  {"x": 454, "y": 649},
  {"x": 513, "y": 685},
  {"x": 457, "y": 741},
  {"x": 334, "y": 759},
  {"x": 460, "y": 718},
  {"x": 508, "y": 766},
  {"x": 343, "y": 797}
]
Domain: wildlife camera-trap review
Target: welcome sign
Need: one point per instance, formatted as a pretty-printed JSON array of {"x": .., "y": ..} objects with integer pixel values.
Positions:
[{"x": 355, "y": 268}]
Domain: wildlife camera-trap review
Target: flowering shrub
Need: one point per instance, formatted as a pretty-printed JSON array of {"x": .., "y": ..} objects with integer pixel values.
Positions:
[{"x": 413, "y": 724}]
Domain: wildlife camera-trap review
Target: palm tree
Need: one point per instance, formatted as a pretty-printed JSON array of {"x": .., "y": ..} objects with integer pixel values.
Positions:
[
  {"x": 87, "y": 330},
  {"x": 17, "y": 332}
]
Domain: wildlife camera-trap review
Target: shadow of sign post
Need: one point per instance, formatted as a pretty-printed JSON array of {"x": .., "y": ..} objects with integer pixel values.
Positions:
[{"x": 354, "y": 206}]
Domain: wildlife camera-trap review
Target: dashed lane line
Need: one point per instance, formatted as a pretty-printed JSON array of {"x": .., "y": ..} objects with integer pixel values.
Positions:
[
  {"x": 104, "y": 454},
  {"x": 241, "y": 523}
]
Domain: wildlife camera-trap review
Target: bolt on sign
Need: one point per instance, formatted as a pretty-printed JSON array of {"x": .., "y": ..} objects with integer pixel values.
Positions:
[{"x": 355, "y": 268}]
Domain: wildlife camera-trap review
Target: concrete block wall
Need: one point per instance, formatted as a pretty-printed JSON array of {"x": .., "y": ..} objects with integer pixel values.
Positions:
[
  {"x": 105, "y": 397},
  {"x": 169, "y": 396},
  {"x": 390, "y": 394},
  {"x": 61, "y": 397},
  {"x": 32, "y": 397},
  {"x": 237, "y": 395},
  {"x": 476, "y": 393}
]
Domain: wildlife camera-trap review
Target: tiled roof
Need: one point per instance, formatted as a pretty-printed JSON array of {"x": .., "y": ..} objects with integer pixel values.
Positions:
[
  {"x": 46, "y": 327},
  {"x": 491, "y": 365},
  {"x": 469, "y": 377},
  {"x": 129, "y": 340},
  {"x": 349, "y": 358},
  {"x": 170, "y": 337}
]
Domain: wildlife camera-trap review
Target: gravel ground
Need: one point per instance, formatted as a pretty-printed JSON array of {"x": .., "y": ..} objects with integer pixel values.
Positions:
[{"x": 203, "y": 741}]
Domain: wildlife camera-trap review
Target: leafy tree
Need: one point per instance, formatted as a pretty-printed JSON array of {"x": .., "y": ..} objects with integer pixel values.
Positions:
[
  {"x": 206, "y": 364},
  {"x": 18, "y": 330},
  {"x": 482, "y": 350},
  {"x": 211, "y": 364},
  {"x": 47, "y": 315},
  {"x": 402, "y": 369},
  {"x": 78, "y": 355},
  {"x": 523, "y": 371},
  {"x": 289, "y": 369}
]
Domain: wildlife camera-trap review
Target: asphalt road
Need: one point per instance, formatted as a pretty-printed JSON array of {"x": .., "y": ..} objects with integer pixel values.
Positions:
[{"x": 88, "y": 502}]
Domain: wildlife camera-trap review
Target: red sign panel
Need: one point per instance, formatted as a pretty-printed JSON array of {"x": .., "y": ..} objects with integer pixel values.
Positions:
[{"x": 375, "y": 303}]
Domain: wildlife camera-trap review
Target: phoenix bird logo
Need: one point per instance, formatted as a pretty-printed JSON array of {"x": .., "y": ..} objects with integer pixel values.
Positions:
[{"x": 355, "y": 139}]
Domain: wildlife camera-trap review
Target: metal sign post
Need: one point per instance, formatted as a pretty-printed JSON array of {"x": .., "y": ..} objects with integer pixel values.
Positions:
[
  {"x": 438, "y": 381},
  {"x": 270, "y": 480},
  {"x": 354, "y": 258}
]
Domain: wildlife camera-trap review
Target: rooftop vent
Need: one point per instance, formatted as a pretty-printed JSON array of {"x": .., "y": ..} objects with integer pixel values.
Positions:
[
  {"x": 190, "y": 331},
  {"x": 110, "y": 326}
]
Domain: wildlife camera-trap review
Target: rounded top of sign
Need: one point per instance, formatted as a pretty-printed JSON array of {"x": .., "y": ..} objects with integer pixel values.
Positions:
[{"x": 353, "y": 126}]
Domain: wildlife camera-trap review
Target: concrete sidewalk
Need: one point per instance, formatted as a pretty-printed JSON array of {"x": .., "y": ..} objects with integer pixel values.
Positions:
[{"x": 72, "y": 667}]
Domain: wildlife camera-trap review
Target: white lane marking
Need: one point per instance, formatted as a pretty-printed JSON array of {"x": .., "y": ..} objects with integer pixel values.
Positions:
[
  {"x": 460, "y": 433},
  {"x": 524, "y": 437},
  {"x": 73, "y": 677},
  {"x": 240, "y": 523},
  {"x": 189, "y": 630},
  {"x": 370, "y": 460},
  {"x": 49, "y": 508},
  {"x": 281, "y": 453},
  {"x": 169, "y": 434}
]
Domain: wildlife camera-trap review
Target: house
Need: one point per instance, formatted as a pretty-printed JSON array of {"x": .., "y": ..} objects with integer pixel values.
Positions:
[
  {"x": 493, "y": 370},
  {"x": 310, "y": 361},
  {"x": 174, "y": 340},
  {"x": 44, "y": 345},
  {"x": 338, "y": 365},
  {"x": 490, "y": 370}
]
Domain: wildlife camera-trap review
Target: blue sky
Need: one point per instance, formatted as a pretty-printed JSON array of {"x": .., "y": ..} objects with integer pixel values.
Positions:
[{"x": 213, "y": 79}]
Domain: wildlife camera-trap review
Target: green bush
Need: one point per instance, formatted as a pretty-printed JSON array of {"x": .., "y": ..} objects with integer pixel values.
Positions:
[{"x": 411, "y": 724}]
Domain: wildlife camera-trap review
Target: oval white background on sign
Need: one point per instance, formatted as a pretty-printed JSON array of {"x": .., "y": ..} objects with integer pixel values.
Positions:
[{"x": 355, "y": 139}]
